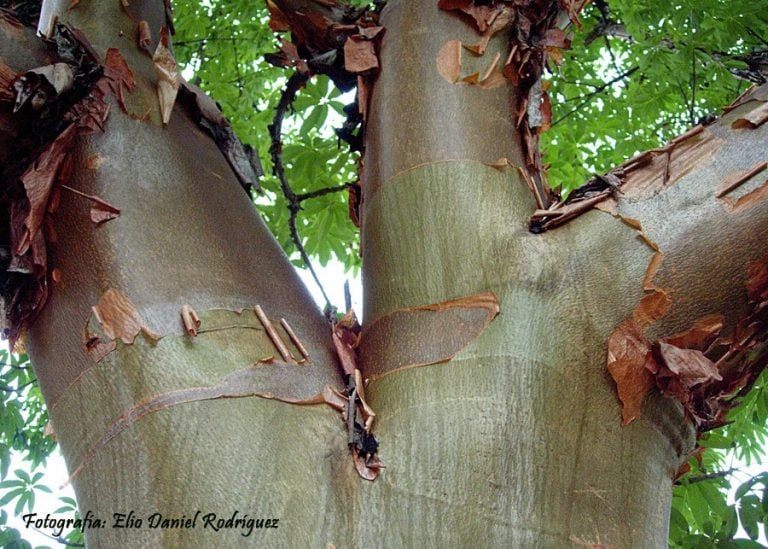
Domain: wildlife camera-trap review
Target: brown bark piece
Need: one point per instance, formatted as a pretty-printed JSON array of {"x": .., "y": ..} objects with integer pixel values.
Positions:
[
  {"x": 630, "y": 360},
  {"x": 753, "y": 119},
  {"x": 359, "y": 55},
  {"x": 119, "y": 76},
  {"x": 113, "y": 317},
  {"x": 650, "y": 173},
  {"x": 700, "y": 335},
  {"x": 190, "y": 320},
  {"x": 118, "y": 317},
  {"x": 145, "y": 37},
  {"x": 746, "y": 201},
  {"x": 168, "y": 77},
  {"x": 738, "y": 178},
  {"x": 449, "y": 61},
  {"x": 424, "y": 335},
  {"x": 38, "y": 181}
]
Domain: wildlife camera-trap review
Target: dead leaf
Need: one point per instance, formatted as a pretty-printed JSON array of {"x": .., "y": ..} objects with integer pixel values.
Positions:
[
  {"x": 449, "y": 61},
  {"x": 168, "y": 78}
]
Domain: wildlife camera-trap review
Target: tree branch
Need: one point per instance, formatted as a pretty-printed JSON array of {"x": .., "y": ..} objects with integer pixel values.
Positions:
[{"x": 288, "y": 95}]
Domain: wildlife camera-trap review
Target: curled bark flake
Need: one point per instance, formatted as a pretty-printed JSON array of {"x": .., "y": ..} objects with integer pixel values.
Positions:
[
  {"x": 101, "y": 210},
  {"x": 168, "y": 77},
  {"x": 420, "y": 336},
  {"x": 144, "y": 37},
  {"x": 345, "y": 351},
  {"x": 113, "y": 317},
  {"x": 277, "y": 341},
  {"x": 190, "y": 320},
  {"x": 753, "y": 119},
  {"x": 449, "y": 61},
  {"x": 651, "y": 172},
  {"x": 118, "y": 77},
  {"x": 630, "y": 360},
  {"x": 736, "y": 179},
  {"x": 689, "y": 367},
  {"x": 295, "y": 340},
  {"x": 38, "y": 181},
  {"x": 700, "y": 336},
  {"x": 502, "y": 164},
  {"x": 360, "y": 55},
  {"x": 746, "y": 201}
]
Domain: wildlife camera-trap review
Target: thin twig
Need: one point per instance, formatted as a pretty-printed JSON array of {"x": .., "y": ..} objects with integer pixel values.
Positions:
[
  {"x": 203, "y": 40},
  {"x": 18, "y": 389},
  {"x": 322, "y": 192},
  {"x": 584, "y": 99},
  {"x": 292, "y": 87},
  {"x": 711, "y": 476}
]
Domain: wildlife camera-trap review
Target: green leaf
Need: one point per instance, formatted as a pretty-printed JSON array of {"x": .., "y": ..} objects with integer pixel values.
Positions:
[
  {"x": 10, "y": 496},
  {"x": 750, "y": 514}
]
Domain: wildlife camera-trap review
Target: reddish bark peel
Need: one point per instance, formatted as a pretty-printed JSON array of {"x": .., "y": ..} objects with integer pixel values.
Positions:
[
  {"x": 168, "y": 77},
  {"x": 113, "y": 317},
  {"x": 118, "y": 76},
  {"x": 753, "y": 119},
  {"x": 243, "y": 159},
  {"x": 38, "y": 181},
  {"x": 736, "y": 179},
  {"x": 244, "y": 382},
  {"x": 535, "y": 39},
  {"x": 424, "y": 335},
  {"x": 630, "y": 360},
  {"x": 747, "y": 201},
  {"x": 144, "y": 37},
  {"x": 691, "y": 366},
  {"x": 449, "y": 61},
  {"x": 190, "y": 320},
  {"x": 38, "y": 90},
  {"x": 101, "y": 211}
]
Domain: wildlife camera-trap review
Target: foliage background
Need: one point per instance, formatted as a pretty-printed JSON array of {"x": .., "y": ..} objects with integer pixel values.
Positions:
[{"x": 638, "y": 74}]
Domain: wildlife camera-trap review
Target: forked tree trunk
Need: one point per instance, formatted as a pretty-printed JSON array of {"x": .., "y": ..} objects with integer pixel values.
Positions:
[{"x": 517, "y": 441}]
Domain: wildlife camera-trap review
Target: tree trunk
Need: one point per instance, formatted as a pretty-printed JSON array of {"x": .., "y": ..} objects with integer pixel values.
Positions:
[{"x": 516, "y": 441}]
